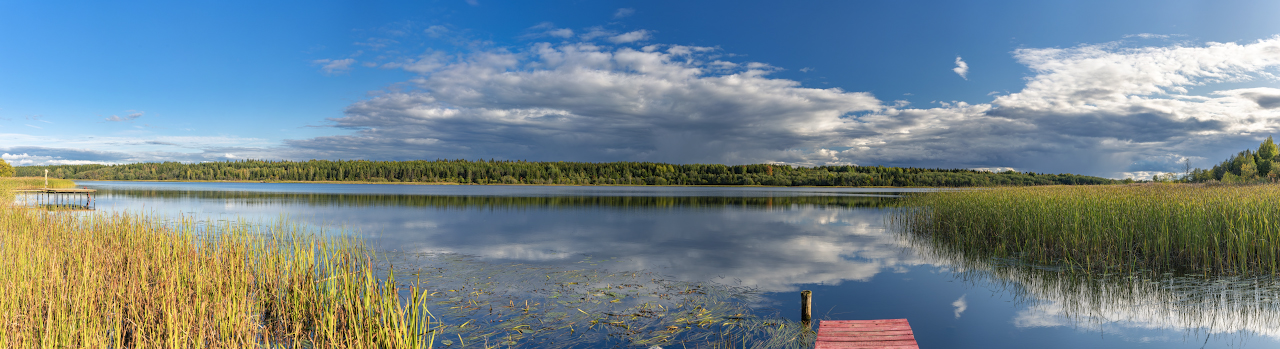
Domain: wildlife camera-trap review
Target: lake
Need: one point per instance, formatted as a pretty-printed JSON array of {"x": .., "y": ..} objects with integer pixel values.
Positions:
[{"x": 837, "y": 242}]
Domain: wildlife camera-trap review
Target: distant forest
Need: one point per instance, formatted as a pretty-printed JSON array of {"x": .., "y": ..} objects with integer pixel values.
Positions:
[{"x": 569, "y": 173}]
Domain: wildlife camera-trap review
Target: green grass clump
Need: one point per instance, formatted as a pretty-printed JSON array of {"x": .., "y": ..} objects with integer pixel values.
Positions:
[
  {"x": 1227, "y": 230},
  {"x": 34, "y": 182},
  {"x": 127, "y": 281}
]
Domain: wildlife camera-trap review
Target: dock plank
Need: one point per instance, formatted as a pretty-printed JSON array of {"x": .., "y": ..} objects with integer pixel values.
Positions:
[{"x": 868, "y": 334}]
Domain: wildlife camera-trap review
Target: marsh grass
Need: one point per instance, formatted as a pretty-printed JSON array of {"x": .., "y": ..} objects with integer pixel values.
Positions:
[
  {"x": 1184, "y": 229},
  {"x": 124, "y": 281},
  {"x": 35, "y": 182}
]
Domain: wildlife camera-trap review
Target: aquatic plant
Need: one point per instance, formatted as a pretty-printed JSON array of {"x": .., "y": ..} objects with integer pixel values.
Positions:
[
  {"x": 521, "y": 305},
  {"x": 35, "y": 182},
  {"x": 126, "y": 281},
  {"x": 1158, "y": 227}
]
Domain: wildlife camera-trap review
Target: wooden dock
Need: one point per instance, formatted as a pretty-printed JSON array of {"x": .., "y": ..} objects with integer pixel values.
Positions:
[
  {"x": 886, "y": 334},
  {"x": 56, "y": 190},
  {"x": 61, "y": 198}
]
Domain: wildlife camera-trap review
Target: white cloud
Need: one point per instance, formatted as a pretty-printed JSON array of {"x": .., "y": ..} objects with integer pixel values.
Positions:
[
  {"x": 595, "y": 32},
  {"x": 1106, "y": 109},
  {"x": 546, "y": 29},
  {"x": 436, "y": 31},
  {"x": 629, "y": 37},
  {"x": 960, "y": 306},
  {"x": 624, "y": 12},
  {"x": 585, "y": 102},
  {"x": 961, "y": 68},
  {"x": 334, "y": 66},
  {"x": 473, "y": 2},
  {"x": 1093, "y": 109},
  {"x": 1147, "y": 36},
  {"x": 561, "y": 33},
  {"x": 424, "y": 63},
  {"x": 127, "y": 117}
]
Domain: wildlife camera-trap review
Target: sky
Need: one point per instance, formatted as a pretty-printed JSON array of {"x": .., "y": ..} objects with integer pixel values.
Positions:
[{"x": 1105, "y": 88}]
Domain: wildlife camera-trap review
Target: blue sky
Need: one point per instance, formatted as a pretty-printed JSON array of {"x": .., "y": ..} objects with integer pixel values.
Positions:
[{"x": 1105, "y": 88}]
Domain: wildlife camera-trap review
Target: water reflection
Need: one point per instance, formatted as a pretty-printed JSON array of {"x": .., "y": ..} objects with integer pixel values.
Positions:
[
  {"x": 1129, "y": 305},
  {"x": 773, "y": 239},
  {"x": 771, "y": 243}
]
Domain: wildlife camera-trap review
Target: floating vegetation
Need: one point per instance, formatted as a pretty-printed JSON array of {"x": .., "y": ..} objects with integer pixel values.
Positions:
[
  {"x": 1183, "y": 229},
  {"x": 518, "y": 305}
]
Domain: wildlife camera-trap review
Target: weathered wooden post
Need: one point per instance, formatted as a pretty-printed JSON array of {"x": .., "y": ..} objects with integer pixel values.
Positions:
[
  {"x": 46, "y": 178},
  {"x": 806, "y": 307}
]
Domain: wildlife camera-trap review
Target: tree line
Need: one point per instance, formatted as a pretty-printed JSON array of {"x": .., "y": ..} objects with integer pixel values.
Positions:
[
  {"x": 568, "y": 173},
  {"x": 1247, "y": 166}
]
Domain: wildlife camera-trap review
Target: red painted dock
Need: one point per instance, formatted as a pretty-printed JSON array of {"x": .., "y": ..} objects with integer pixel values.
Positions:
[{"x": 880, "y": 334}]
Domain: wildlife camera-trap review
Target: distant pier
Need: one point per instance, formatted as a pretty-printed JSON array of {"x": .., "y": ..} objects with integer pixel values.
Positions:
[{"x": 61, "y": 198}]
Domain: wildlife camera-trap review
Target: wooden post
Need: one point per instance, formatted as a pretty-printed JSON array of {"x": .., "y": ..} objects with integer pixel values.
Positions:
[
  {"x": 46, "y": 178},
  {"x": 806, "y": 307}
]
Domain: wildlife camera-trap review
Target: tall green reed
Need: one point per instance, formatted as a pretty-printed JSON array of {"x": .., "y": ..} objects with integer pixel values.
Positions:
[
  {"x": 1181, "y": 228},
  {"x": 128, "y": 281}
]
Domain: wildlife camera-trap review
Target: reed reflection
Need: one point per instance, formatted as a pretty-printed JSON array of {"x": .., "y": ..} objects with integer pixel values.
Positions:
[{"x": 1127, "y": 304}]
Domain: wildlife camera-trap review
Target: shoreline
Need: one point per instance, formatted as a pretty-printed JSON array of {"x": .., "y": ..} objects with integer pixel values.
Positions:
[{"x": 506, "y": 184}]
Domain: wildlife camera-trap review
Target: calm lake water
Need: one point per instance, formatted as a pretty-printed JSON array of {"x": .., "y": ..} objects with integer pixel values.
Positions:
[{"x": 776, "y": 240}]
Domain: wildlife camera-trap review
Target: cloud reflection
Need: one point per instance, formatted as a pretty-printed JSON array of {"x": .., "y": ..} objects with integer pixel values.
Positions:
[{"x": 769, "y": 243}]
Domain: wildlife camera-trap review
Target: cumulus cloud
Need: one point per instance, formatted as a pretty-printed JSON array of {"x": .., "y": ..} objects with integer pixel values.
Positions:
[
  {"x": 334, "y": 66},
  {"x": 1101, "y": 109},
  {"x": 961, "y": 68},
  {"x": 586, "y": 102},
  {"x": 1093, "y": 109}
]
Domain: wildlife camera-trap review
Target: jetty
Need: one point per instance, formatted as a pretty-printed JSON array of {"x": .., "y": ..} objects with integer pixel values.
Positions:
[
  {"x": 69, "y": 198},
  {"x": 890, "y": 333},
  {"x": 862, "y": 334}
]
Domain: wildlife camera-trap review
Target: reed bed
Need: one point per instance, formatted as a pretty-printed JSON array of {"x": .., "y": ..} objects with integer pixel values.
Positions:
[
  {"x": 127, "y": 281},
  {"x": 34, "y": 182},
  {"x": 1185, "y": 229}
]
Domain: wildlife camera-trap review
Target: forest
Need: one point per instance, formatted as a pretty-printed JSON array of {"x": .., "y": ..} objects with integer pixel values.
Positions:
[
  {"x": 567, "y": 173},
  {"x": 1248, "y": 166}
]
